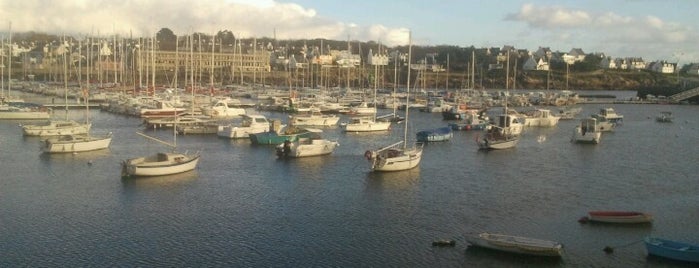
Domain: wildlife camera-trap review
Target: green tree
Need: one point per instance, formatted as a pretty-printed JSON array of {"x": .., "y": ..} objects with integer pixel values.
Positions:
[{"x": 166, "y": 38}]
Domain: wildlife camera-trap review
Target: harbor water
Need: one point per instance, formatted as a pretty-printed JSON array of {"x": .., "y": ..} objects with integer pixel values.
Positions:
[{"x": 243, "y": 207}]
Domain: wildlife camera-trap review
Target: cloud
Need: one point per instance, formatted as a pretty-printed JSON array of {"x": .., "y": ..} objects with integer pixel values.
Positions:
[
  {"x": 608, "y": 32},
  {"x": 245, "y": 18}
]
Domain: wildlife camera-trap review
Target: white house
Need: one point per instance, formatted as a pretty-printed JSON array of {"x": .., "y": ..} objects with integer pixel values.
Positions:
[
  {"x": 575, "y": 55},
  {"x": 533, "y": 64}
]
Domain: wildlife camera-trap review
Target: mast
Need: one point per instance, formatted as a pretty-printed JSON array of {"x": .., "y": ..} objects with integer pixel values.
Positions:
[
  {"x": 65, "y": 74},
  {"x": 9, "y": 66},
  {"x": 407, "y": 88}
]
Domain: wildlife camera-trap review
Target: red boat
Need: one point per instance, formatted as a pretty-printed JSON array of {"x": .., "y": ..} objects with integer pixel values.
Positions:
[{"x": 610, "y": 216}]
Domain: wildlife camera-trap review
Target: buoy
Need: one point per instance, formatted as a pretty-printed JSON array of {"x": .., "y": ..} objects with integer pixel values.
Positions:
[
  {"x": 608, "y": 250},
  {"x": 89, "y": 163},
  {"x": 584, "y": 220}
]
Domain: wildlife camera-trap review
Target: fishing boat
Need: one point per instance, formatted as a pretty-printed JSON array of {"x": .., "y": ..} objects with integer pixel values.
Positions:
[
  {"x": 671, "y": 249},
  {"x": 397, "y": 156},
  {"x": 664, "y": 117},
  {"x": 611, "y": 216},
  {"x": 516, "y": 244},
  {"x": 304, "y": 147},
  {"x": 568, "y": 113},
  {"x": 588, "y": 131},
  {"x": 437, "y": 134}
]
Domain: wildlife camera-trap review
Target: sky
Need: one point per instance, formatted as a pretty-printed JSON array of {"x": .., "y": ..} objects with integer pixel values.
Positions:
[{"x": 651, "y": 29}]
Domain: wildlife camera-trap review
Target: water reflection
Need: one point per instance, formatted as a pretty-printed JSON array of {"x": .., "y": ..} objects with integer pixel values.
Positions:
[
  {"x": 180, "y": 179},
  {"x": 405, "y": 179}
]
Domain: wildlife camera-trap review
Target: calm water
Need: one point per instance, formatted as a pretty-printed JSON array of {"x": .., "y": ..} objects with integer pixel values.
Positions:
[{"x": 244, "y": 208}]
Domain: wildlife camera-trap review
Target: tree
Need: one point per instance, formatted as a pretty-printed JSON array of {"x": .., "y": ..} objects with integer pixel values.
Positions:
[{"x": 166, "y": 38}]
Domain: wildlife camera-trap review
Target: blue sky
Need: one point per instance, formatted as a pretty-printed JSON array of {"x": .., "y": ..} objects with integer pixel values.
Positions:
[{"x": 651, "y": 29}]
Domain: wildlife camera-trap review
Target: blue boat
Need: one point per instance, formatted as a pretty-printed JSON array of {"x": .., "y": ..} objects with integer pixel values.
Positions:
[
  {"x": 672, "y": 249},
  {"x": 437, "y": 134}
]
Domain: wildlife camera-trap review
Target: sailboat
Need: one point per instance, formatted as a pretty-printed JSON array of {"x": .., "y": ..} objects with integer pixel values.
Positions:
[
  {"x": 370, "y": 122},
  {"x": 73, "y": 143},
  {"x": 160, "y": 164},
  {"x": 8, "y": 109},
  {"x": 58, "y": 127},
  {"x": 397, "y": 156},
  {"x": 506, "y": 131}
]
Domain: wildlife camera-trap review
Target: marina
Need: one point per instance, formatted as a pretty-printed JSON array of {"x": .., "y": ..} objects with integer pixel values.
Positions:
[{"x": 243, "y": 206}]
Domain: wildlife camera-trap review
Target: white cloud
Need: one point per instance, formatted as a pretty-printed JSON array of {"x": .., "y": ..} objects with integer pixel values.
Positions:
[
  {"x": 608, "y": 32},
  {"x": 245, "y": 18}
]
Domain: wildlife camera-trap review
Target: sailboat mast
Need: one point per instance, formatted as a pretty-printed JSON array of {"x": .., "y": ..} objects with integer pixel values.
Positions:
[
  {"x": 407, "y": 90},
  {"x": 65, "y": 74}
]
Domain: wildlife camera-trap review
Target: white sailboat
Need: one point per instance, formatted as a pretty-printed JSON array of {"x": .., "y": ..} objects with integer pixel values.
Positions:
[
  {"x": 160, "y": 164},
  {"x": 9, "y": 111},
  {"x": 368, "y": 123},
  {"x": 397, "y": 156},
  {"x": 59, "y": 127},
  {"x": 73, "y": 143},
  {"x": 505, "y": 133}
]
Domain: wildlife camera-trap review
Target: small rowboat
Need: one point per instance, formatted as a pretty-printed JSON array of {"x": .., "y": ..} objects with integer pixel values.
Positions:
[
  {"x": 516, "y": 244},
  {"x": 609, "y": 216},
  {"x": 672, "y": 249}
]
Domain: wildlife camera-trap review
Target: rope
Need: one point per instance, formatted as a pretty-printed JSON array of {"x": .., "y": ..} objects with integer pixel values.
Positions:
[{"x": 609, "y": 249}]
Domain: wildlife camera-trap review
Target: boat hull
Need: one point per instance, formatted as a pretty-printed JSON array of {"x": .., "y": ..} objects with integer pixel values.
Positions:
[
  {"x": 396, "y": 160},
  {"x": 516, "y": 244},
  {"x": 315, "y": 148},
  {"x": 82, "y": 144},
  {"x": 56, "y": 128},
  {"x": 368, "y": 126},
  {"x": 619, "y": 217},
  {"x": 672, "y": 249},
  {"x": 172, "y": 163}
]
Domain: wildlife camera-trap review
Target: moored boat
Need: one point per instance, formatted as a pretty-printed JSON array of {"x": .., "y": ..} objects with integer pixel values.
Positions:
[
  {"x": 588, "y": 131},
  {"x": 671, "y": 249},
  {"x": 304, "y": 147},
  {"x": 664, "y": 117},
  {"x": 76, "y": 143},
  {"x": 611, "y": 216},
  {"x": 437, "y": 134},
  {"x": 516, "y": 244}
]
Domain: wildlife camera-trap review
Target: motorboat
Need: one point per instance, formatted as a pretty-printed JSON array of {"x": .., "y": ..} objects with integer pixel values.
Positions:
[
  {"x": 540, "y": 118},
  {"x": 314, "y": 118},
  {"x": 366, "y": 124},
  {"x": 251, "y": 124},
  {"x": 221, "y": 108},
  {"x": 516, "y": 244},
  {"x": 587, "y": 132},
  {"x": 609, "y": 115},
  {"x": 304, "y": 147},
  {"x": 290, "y": 133}
]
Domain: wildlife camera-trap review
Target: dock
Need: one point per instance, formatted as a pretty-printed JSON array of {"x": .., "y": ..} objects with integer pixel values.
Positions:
[{"x": 56, "y": 106}]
